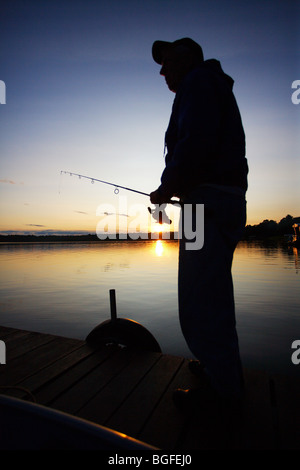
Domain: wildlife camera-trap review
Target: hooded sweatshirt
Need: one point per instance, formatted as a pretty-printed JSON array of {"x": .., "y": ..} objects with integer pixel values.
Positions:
[{"x": 205, "y": 139}]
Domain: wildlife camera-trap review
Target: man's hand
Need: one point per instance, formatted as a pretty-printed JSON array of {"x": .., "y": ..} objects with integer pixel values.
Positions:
[{"x": 156, "y": 197}]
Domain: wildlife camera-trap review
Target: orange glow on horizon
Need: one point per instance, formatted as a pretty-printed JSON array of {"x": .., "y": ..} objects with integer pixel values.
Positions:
[{"x": 159, "y": 228}]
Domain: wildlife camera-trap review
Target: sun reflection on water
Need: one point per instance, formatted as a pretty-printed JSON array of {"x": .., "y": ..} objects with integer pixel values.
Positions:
[{"x": 159, "y": 248}]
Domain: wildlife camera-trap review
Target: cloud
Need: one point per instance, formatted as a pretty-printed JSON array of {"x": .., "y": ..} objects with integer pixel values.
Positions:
[
  {"x": 35, "y": 225},
  {"x": 8, "y": 181},
  {"x": 114, "y": 213},
  {"x": 82, "y": 212}
]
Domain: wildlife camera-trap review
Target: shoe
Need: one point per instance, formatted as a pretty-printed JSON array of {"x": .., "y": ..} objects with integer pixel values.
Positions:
[
  {"x": 183, "y": 398},
  {"x": 191, "y": 399},
  {"x": 196, "y": 368}
]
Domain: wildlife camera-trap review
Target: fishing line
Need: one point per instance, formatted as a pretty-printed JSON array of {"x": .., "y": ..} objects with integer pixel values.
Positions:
[{"x": 59, "y": 183}]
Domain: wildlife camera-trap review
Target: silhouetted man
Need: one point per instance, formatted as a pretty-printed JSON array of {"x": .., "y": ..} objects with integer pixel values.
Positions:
[{"x": 205, "y": 164}]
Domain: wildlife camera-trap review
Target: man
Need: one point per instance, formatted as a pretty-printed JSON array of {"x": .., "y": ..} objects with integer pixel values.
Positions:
[{"x": 205, "y": 164}]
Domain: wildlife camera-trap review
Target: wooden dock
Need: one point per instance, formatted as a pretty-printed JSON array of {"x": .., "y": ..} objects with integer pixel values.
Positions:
[{"x": 131, "y": 392}]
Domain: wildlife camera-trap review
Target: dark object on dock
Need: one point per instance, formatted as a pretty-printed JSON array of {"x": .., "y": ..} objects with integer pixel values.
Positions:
[
  {"x": 30, "y": 426},
  {"x": 122, "y": 331}
]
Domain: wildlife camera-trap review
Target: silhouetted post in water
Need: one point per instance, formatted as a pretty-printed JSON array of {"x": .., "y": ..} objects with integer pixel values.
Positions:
[
  {"x": 113, "y": 306},
  {"x": 205, "y": 164}
]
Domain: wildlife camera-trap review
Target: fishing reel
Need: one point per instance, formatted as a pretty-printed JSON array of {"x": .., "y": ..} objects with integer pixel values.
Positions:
[{"x": 159, "y": 214}]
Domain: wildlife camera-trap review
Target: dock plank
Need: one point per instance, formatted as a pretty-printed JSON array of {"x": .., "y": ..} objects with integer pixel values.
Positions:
[
  {"x": 258, "y": 431},
  {"x": 61, "y": 365},
  {"x": 25, "y": 365},
  {"x": 100, "y": 408},
  {"x": 6, "y": 332},
  {"x": 50, "y": 392},
  {"x": 132, "y": 415},
  {"x": 203, "y": 430},
  {"x": 24, "y": 344},
  {"x": 9, "y": 335},
  {"x": 166, "y": 424},
  {"x": 287, "y": 411},
  {"x": 87, "y": 386}
]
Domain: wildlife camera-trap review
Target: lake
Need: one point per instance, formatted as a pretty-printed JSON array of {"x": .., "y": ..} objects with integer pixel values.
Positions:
[{"x": 63, "y": 289}]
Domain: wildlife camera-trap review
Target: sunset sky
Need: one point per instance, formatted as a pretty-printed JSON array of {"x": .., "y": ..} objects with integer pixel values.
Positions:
[{"x": 84, "y": 95}]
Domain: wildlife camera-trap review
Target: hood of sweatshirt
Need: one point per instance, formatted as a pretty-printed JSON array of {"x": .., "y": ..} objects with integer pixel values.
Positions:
[{"x": 214, "y": 66}]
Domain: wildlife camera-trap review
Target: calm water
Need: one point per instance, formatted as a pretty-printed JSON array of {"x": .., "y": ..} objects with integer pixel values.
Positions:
[{"x": 64, "y": 289}]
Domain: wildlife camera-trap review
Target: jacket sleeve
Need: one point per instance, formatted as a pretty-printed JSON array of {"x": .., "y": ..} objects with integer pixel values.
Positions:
[{"x": 195, "y": 122}]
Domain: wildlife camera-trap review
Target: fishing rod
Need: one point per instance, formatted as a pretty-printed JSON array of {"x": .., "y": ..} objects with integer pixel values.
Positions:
[
  {"x": 117, "y": 186},
  {"x": 158, "y": 213}
]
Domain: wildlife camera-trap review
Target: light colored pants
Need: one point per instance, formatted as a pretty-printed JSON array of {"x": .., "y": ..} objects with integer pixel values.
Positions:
[{"x": 205, "y": 288}]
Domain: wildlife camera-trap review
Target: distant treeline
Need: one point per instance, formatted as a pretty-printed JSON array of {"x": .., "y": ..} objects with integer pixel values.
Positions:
[
  {"x": 24, "y": 238},
  {"x": 19, "y": 238},
  {"x": 267, "y": 228},
  {"x": 270, "y": 228}
]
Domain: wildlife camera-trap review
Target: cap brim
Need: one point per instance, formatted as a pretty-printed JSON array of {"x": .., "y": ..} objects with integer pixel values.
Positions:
[{"x": 158, "y": 48}]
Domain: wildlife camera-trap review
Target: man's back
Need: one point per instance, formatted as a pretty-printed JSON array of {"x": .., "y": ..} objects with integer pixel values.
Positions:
[{"x": 205, "y": 138}]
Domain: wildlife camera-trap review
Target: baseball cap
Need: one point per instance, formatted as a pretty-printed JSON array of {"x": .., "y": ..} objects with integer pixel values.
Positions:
[{"x": 159, "y": 46}]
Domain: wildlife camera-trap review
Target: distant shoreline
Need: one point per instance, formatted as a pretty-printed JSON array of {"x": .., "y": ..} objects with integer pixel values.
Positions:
[
  {"x": 11, "y": 239},
  {"x": 266, "y": 230},
  {"x": 39, "y": 240}
]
